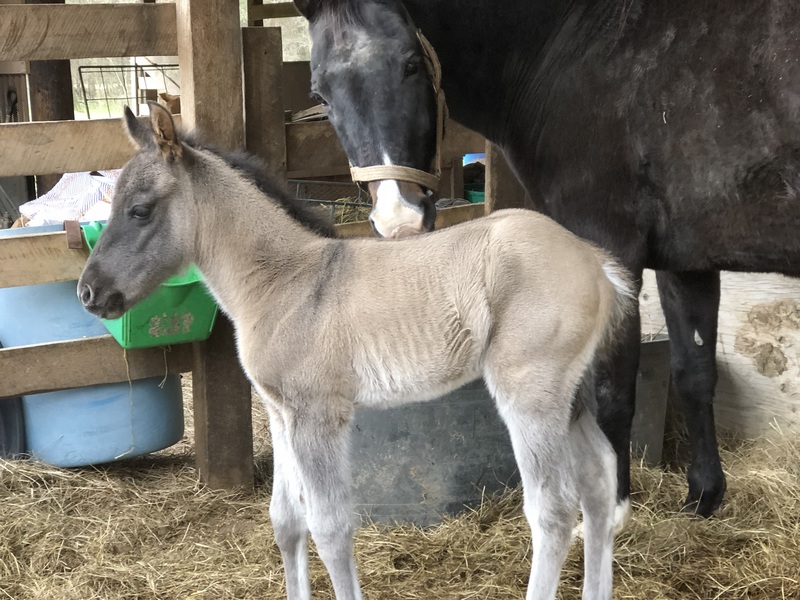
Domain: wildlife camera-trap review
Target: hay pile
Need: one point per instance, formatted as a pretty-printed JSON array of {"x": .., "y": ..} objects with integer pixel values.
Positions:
[{"x": 145, "y": 529}]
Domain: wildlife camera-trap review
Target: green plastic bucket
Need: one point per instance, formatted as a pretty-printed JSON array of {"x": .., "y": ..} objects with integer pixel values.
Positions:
[
  {"x": 475, "y": 193},
  {"x": 181, "y": 310}
]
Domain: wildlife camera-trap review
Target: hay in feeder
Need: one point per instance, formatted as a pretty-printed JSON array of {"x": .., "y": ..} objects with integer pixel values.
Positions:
[{"x": 146, "y": 529}]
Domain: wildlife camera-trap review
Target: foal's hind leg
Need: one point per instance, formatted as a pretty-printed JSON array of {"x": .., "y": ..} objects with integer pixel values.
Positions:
[
  {"x": 287, "y": 512},
  {"x": 616, "y": 400},
  {"x": 691, "y": 306},
  {"x": 595, "y": 466}
]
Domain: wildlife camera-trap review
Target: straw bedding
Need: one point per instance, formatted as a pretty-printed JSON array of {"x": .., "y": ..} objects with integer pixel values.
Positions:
[{"x": 145, "y": 528}]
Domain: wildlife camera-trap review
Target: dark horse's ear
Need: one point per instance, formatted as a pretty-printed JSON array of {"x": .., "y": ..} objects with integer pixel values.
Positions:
[
  {"x": 307, "y": 8},
  {"x": 139, "y": 133},
  {"x": 164, "y": 132}
]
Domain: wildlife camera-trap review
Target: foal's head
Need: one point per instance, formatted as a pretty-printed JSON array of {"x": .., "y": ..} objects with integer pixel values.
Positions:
[
  {"x": 368, "y": 67},
  {"x": 148, "y": 236}
]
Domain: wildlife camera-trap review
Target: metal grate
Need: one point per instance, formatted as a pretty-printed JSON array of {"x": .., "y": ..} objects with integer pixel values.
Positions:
[
  {"x": 346, "y": 201},
  {"x": 107, "y": 89}
]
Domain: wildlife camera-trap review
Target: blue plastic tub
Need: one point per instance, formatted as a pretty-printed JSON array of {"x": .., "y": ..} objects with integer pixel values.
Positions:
[{"x": 94, "y": 424}]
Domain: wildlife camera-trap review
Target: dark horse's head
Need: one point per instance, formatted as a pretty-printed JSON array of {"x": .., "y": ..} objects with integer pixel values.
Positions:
[{"x": 369, "y": 67}]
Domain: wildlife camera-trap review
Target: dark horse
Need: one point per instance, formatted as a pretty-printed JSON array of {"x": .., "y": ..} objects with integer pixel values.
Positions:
[{"x": 667, "y": 131}]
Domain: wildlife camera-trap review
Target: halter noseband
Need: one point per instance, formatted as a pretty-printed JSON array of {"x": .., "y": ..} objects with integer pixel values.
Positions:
[{"x": 409, "y": 174}]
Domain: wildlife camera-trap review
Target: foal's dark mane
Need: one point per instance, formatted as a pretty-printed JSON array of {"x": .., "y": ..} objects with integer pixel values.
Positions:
[{"x": 252, "y": 167}]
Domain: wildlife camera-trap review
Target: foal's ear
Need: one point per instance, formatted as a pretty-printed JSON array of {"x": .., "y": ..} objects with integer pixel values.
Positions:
[
  {"x": 138, "y": 132},
  {"x": 165, "y": 132}
]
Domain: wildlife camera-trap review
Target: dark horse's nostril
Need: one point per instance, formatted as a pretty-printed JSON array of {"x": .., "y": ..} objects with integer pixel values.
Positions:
[
  {"x": 374, "y": 228},
  {"x": 87, "y": 295}
]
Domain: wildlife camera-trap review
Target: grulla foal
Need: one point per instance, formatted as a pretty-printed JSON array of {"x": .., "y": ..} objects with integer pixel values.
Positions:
[{"x": 324, "y": 325}]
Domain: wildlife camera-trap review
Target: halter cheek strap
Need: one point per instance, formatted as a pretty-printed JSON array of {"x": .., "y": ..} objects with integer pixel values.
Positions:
[{"x": 401, "y": 173}]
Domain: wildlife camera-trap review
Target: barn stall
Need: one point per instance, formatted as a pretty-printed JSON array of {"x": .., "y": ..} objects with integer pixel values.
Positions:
[{"x": 169, "y": 526}]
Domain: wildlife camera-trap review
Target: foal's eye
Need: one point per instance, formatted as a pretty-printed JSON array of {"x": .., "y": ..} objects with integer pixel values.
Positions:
[
  {"x": 412, "y": 67},
  {"x": 140, "y": 211}
]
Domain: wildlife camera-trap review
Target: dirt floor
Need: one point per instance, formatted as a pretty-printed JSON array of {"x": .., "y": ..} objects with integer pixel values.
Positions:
[{"x": 146, "y": 528}]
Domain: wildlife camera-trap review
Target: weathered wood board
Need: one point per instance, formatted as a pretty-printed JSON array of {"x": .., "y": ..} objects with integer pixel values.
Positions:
[
  {"x": 758, "y": 350},
  {"x": 52, "y": 32}
]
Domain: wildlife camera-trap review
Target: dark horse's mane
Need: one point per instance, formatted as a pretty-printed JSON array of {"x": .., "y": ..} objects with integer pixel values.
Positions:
[{"x": 252, "y": 167}]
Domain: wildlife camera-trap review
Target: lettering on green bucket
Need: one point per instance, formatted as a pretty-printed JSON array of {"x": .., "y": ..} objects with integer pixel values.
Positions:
[{"x": 181, "y": 310}]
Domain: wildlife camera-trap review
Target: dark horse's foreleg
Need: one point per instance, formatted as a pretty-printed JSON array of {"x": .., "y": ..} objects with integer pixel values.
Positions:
[
  {"x": 616, "y": 400},
  {"x": 691, "y": 304}
]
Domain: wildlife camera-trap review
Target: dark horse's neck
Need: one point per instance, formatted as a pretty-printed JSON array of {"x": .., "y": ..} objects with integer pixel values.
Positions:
[{"x": 493, "y": 57}]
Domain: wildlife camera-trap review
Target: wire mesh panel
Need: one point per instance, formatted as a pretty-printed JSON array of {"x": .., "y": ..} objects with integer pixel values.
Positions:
[
  {"x": 345, "y": 200},
  {"x": 107, "y": 89}
]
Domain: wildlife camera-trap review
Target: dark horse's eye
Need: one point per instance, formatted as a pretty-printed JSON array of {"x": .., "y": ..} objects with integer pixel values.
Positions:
[
  {"x": 412, "y": 67},
  {"x": 319, "y": 99},
  {"x": 140, "y": 211}
]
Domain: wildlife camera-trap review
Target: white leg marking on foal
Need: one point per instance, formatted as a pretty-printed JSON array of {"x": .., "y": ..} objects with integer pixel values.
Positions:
[
  {"x": 622, "y": 515},
  {"x": 697, "y": 339}
]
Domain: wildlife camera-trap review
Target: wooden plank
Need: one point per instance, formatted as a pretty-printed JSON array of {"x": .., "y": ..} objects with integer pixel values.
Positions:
[
  {"x": 444, "y": 218},
  {"x": 50, "y": 86},
  {"x": 49, "y": 32},
  {"x": 89, "y": 361},
  {"x": 263, "y": 97},
  {"x": 62, "y": 147},
  {"x": 757, "y": 359},
  {"x": 313, "y": 148},
  {"x": 278, "y": 10},
  {"x": 39, "y": 258},
  {"x": 210, "y": 56},
  {"x": 503, "y": 189},
  {"x": 223, "y": 426}
]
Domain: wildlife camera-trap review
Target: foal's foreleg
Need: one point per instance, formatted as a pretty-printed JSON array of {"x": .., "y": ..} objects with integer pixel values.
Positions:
[
  {"x": 287, "y": 512},
  {"x": 320, "y": 443}
]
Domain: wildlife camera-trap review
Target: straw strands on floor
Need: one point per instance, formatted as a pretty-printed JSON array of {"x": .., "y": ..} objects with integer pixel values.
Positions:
[{"x": 146, "y": 529}]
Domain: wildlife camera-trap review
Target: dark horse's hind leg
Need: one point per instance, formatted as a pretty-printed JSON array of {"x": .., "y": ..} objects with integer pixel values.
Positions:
[
  {"x": 616, "y": 400},
  {"x": 691, "y": 305}
]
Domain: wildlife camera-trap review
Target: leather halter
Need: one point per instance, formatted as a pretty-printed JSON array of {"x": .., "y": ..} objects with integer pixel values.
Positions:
[{"x": 409, "y": 174}]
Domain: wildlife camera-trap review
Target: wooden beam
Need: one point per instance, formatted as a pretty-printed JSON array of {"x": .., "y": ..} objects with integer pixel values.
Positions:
[
  {"x": 503, "y": 189},
  {"x": 89, "y": 361},
  {"x": 278, "y": 10},
  {"x": 223, "y": 426},
  {"x": 62, "y": 147},
  {"x": 263, "y": 97},
  {"x": 39, "y": 258},
  {"x": 210, "y": 57},
  {"x": 314, "y": 148},
  {"x": 48, "y": 32},
  {"x": 50, "y": 86}
]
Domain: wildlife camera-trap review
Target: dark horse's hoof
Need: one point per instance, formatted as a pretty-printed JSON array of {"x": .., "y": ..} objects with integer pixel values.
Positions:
[{"x": 705, "y": 506}]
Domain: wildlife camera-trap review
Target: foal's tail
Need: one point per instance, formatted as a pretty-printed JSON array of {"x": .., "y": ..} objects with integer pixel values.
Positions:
[
  {"x": 620, "y": 301},
  {"x": 623, "y": 301}
]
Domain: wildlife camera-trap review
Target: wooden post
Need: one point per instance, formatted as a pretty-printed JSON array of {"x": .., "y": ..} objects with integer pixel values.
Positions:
[
  {"x": 503, "y": 189},
  {"x": 263, "y": 97},
  {"x": 210, "y": 56},
  {"x": 50, "y": 83}
]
